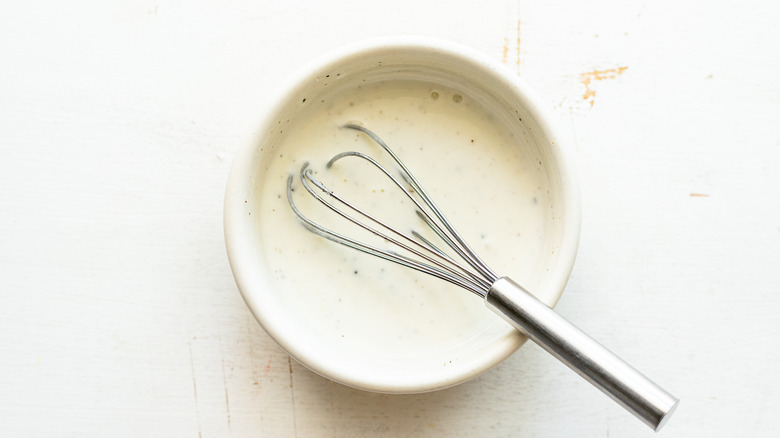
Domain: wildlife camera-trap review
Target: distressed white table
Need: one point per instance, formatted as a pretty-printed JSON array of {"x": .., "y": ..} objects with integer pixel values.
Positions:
[{"x": 118, "y": 121}]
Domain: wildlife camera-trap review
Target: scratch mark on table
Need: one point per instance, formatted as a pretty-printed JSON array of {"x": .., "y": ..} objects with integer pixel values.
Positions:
[
  {"x": 195, "y": 390},
  {"x": 586, "y": 79},
  {"x": 292, "y": 397},
  {"x": 517, "y": 47},
  {"x": 250, "y": 340},
  {"x": 227, "y": 398},
  {"x": 573, "y": 128}
]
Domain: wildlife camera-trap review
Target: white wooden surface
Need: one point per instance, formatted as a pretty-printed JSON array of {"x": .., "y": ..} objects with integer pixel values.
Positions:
[{"x": 118, "y": 122}]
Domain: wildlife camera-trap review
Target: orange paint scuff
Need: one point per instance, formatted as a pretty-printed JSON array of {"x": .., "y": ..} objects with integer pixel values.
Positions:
[{"x": 587, "y": 79}]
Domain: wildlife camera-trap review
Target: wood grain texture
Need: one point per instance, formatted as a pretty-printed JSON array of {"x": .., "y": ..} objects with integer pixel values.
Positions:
[{"x": 118, "y": 122}]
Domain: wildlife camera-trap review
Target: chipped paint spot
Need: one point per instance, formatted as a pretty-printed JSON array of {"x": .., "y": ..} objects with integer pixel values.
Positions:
[
  {"x": 507, "y": 46},
  {"x": 587, "y": 79}
]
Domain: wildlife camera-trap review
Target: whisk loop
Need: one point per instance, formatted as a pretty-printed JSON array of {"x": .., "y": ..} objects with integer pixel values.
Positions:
[
  {"x": 474, "y": 275},
  {"x": 627, "y": 386}
]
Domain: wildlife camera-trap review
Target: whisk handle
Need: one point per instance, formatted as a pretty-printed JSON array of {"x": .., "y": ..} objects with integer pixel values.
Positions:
[{"x": 627, "y": 386}]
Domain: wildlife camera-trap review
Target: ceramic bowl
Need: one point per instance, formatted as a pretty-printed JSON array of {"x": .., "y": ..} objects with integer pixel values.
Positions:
[{"x": 417, "y": 59}]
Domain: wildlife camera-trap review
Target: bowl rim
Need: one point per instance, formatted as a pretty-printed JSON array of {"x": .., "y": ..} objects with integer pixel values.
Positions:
[{"x": 241, "y": 252}]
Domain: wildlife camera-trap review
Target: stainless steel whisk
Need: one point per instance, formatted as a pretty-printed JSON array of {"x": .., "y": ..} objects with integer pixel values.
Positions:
[{"x": 627, "y": 386}]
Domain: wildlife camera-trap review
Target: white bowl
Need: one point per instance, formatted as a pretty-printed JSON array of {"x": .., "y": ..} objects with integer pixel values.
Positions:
[{"x": 400, "y": 58}]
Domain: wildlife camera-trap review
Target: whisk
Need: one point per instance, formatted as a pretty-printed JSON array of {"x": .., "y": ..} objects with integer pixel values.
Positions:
[{"x": 627, "y": 386}]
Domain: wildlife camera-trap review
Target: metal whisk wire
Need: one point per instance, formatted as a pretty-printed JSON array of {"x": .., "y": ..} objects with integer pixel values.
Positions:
[
  {"x": 434, "y": 262},
  {"x": 472, "y": 258}
]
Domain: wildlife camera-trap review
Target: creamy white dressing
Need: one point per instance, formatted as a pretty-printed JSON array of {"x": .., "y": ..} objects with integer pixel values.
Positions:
[{"x": 479, "y": 172}]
